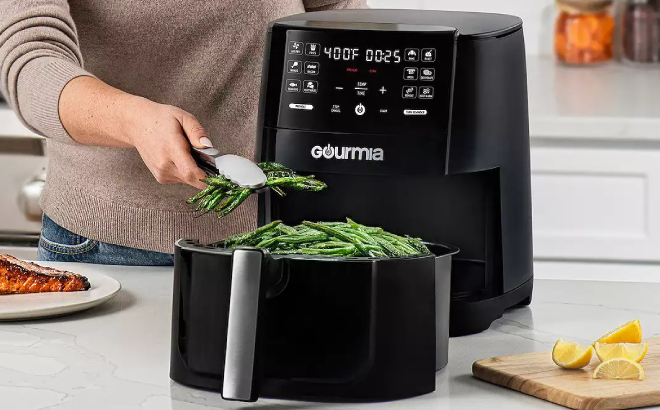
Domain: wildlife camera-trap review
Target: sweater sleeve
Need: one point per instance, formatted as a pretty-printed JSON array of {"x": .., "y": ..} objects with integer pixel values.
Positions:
[
  {"x": 39, "y": 55},
  {"x": 319, "y": 5}
]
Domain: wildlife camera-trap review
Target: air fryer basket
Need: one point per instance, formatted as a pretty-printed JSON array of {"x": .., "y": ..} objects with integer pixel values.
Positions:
[{"x": 254, "y": 276}]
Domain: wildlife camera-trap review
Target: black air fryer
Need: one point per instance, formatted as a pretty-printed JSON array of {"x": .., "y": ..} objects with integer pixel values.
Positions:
[{"x": 417, "y": 121}]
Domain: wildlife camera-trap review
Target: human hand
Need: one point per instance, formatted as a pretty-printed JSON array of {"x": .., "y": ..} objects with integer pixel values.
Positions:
[
  {"x": 162, "y": 134},
  {"x": 95, "y": 113}
]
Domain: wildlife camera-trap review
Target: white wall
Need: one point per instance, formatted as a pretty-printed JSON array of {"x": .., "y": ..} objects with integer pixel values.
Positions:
[{"x": 537, "y": 15}]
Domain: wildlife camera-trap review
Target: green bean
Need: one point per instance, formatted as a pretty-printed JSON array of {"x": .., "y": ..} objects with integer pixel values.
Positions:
[
  {"x": 419, "y": 245},
  {"x": 285, "y": 181},
  {"x": 330, "y": 244},
  {"x": 215, "y": 202},
  {"x": 236, "y": 201},
  {"x": 202, "y": 204},
  {"x": 345, "y": 251},
  {"x": 268, "y": 243},
  {"x": 303, "y": 238},
  {"x": 201, "y": 194},
  {"x": 217, "y": 181},
  {"x": 390, "y": 249},
  {"x": 268, "y": 227},
  {"x": 287, "y": 230},
  {"x": 279, "y": 191}
]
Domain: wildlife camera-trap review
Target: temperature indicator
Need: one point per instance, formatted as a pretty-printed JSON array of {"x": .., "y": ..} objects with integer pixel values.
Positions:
[{"x": 341, "y": 53}]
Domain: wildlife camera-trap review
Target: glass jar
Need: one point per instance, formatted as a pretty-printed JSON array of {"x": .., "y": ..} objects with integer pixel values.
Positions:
[
  {"x": 584, "y": 31},
  {"x": 640, "y": 32}
]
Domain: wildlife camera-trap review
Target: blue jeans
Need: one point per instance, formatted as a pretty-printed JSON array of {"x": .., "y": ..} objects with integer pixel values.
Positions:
[{"x": 60, "y": 245}]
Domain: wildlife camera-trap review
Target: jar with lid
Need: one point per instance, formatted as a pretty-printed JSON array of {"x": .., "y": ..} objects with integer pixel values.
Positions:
[
  {"x": 584, "y": 31},
  {"x": 640, "y": 32}
]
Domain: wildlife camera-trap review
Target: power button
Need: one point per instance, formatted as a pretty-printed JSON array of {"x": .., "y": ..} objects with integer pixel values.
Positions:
[{"x": 360, "y": 109}]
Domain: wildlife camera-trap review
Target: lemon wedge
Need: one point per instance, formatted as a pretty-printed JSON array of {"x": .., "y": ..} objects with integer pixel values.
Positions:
[
  {"x": 570, "y": 355},
  {"x": 619, "y": 369},
  {"x": 630, "y": 332},
  {"x": 630, "y": 351}
]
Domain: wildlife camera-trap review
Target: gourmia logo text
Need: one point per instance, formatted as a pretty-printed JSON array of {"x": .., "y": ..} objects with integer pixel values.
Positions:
[{"x": 354, "y": 153}]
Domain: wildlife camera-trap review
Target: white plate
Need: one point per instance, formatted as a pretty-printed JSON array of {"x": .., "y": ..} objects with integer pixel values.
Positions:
[{"x": 47, "y": 304}]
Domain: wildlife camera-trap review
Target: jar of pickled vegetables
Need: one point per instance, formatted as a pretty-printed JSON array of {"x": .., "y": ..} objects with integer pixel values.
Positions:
[{"x": 584, "y": 31}]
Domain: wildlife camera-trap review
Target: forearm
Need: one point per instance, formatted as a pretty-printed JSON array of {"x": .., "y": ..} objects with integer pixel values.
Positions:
[
  {"x": 320, "y": 5},
  {"x": 95, "y": 113}
]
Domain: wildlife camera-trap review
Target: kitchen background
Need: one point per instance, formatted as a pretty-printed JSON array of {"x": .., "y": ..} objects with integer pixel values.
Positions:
[{"x": 595, "y": 134}]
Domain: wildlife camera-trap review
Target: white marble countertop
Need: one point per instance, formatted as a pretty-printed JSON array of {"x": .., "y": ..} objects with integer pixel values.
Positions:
[
  {"x": 116, "y": 356},
  {"x": 614, "y": 101}
]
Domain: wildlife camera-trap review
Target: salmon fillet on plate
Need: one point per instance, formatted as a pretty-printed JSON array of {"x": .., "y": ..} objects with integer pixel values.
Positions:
[{"x": 17, "y": 276}]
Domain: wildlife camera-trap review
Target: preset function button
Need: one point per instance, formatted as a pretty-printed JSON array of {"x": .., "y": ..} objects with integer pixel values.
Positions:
[
  {"x": 294, "y": 67},
  {"x": 295, "y": 47},
  {"x": 409, "y": 91},
  {"x": 311, "y": 87},
  {"x": 410, "y": 73},
  {"x": 414, "y": 112},
  {"x": 313, "y": 49},
  {"x": 293, "y": 86},
  {"x": 412, "y": 54},
  {"x": 428, "y": 55},
  {"x": 425, "y": 93},
  {"x": 312, "y": 67},
  {"x": 306, "y": 107},
  {"x": 427, "y": 74}
]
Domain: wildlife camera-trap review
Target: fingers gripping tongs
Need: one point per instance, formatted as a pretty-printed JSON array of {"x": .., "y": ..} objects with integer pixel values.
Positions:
[{"x": 237, "y": 169}]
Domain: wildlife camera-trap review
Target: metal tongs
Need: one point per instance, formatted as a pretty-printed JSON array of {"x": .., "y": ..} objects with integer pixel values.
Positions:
[{"x": 237, "y": 169}]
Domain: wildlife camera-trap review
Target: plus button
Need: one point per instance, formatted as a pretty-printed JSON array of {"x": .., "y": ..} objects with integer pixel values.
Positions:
[{"x": 382, "y": 90}]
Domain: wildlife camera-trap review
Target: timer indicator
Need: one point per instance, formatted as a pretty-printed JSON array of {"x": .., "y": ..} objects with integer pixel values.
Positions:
[{"x": 370, "y": 55}]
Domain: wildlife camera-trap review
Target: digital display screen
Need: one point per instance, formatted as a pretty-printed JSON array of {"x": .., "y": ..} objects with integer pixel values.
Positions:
[
  {"x": 368, "y": 55},
  {"x": 376, "y": 82}
]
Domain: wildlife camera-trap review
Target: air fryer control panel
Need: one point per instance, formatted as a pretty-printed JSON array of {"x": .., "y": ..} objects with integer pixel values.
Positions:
[{"x": 372, "y": 82}]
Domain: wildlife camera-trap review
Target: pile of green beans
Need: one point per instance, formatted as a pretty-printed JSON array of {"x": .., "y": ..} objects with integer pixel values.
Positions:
[
  {"x": 328, "y": 239},
  {"x": 223, "y": 196}
]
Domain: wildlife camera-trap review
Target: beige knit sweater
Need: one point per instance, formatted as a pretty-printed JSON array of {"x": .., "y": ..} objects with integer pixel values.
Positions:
[{"x": 203, "y": 56}]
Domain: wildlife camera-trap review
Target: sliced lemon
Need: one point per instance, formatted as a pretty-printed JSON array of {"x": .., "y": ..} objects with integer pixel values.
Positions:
[
  {"x": 630, "y": 351},
  {"x": 570, "y": 355},
  {"x": 619, "y": 369},
  {"x": 630, "y": 332}
]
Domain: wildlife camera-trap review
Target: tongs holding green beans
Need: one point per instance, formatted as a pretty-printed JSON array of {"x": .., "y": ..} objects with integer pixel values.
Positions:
[{"x": 223, "y": 195}]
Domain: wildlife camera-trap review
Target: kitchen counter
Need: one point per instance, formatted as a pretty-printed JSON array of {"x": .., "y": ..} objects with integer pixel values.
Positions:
[
  {"x": 116, "y": 356},
  {"x": 610, "y": 102}
]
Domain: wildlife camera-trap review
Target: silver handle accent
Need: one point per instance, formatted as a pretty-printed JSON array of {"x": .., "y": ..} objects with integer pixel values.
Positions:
[
  {"x": 242, "y": 325},
  {"x": 205, "y": 158},
  {"x": 29, "y": 195}
]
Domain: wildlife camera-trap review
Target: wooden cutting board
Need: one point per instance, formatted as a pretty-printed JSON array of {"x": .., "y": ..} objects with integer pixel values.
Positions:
[{"x": 535, "y": 374}]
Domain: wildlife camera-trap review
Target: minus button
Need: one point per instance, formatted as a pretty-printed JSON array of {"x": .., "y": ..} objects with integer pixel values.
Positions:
[{"x": 301, "y": 106}]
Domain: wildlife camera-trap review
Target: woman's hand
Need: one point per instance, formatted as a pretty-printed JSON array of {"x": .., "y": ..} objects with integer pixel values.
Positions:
[
  {"x": 162, "y": 134},
  {"x": 94, "y": 113}
]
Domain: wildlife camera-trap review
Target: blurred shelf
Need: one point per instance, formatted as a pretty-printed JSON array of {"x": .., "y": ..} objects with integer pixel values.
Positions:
[
  {"x": 610, "y": 102},
  {"x": 10, "y": 125}
]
